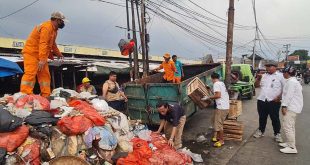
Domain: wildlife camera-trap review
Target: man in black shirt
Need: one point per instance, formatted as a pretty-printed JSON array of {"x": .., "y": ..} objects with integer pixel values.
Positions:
[{"x": 172, "y": 120}]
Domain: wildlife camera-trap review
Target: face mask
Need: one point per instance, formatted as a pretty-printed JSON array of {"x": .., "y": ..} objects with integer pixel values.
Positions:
[{"x": 61, "y": 25}]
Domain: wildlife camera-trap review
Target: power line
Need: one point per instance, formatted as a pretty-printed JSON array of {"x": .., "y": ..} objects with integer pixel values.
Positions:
[
  {"x": 192, "y": 31},
  {"x": 19, "y": 10},
  {"x": 112, "y": 3},
  {"x": 236, "y": 25}
]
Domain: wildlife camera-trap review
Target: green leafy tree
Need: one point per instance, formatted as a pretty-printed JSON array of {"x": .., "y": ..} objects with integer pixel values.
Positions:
[{"x": 303, "y": 54}]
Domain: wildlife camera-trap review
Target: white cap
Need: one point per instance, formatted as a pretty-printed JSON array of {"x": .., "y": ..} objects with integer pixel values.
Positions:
[{"x": 59, "y": 15}]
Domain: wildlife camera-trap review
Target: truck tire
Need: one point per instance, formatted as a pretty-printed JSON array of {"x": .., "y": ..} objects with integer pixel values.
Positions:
[
  {"x": 254, "y": 91},
  {"x": 250, "y": 95}
]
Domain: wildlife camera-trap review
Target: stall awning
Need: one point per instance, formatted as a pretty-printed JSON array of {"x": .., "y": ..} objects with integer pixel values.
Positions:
[{"x": 9, "y": 68}]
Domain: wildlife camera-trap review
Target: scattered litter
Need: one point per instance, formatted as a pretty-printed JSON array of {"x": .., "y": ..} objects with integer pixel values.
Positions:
[
  {"x": 71, "y": 126},
  {"x": 206, "y": 152},
  {"x": 201, "y": 138},
  {"x": 196, "y": 157}
]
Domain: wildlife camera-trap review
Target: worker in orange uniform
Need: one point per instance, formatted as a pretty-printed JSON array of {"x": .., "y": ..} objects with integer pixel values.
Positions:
[
  {"x": 169, "y": 68},
  {"x": 40, "y": 46}
]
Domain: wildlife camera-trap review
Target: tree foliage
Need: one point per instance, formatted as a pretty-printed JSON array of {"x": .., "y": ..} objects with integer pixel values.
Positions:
[{"x": 303, "y": 54}]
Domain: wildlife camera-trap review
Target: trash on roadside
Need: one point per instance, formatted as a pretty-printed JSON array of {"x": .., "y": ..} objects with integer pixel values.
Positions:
[
  {"x": 85, "y": 130},
  {"x": 196, "y": 157},
  {"x": 201, "y": 138}
]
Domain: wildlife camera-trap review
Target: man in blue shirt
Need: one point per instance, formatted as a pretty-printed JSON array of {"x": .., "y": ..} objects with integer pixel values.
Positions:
[{"x": 179, "y": 73}]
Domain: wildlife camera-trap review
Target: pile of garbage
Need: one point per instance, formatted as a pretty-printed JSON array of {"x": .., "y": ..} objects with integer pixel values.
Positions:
[{"x": 35, "y": 130}]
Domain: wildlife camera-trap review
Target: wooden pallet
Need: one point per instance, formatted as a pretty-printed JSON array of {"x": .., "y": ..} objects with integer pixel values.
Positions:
[
  {"x": 196, "y": 90},
  {"x": 233, "y": 130}
]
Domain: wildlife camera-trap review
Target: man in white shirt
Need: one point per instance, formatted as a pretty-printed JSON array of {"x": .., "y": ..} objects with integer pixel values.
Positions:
[
  {"x": 222, "y": 102},
  {"x": 268, "y": 102},
  {"x": 292, "y": 103}
]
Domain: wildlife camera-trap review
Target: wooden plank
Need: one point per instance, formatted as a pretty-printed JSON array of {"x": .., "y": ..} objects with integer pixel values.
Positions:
[
  {"x": 235, "y": 109},
  {"x": 229, "y": 127},
  {"x": 232, "y": 139},
  {"x": 233, "y": 123},
  {"x": 234, "y": 132}
]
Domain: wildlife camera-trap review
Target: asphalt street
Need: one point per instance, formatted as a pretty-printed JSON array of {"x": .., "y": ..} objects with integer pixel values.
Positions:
[{"x": 263, "y": 151}]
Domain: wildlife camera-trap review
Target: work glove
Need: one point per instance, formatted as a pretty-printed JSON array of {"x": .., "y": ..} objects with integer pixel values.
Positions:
[{"x": 205, "y": 98}]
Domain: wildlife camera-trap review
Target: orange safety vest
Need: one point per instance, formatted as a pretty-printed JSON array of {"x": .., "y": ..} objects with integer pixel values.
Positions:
[
  {"x": 39, "y": 46},
  {"x": 41, "y": 41},
  {"x": 169, "y": 68}
]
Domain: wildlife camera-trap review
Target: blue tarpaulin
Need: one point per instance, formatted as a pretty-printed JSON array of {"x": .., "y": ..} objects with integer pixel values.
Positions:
[{"x": 9, "y": 68}]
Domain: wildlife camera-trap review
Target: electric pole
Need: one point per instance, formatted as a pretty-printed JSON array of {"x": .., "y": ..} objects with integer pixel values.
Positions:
[
  {"x": 229, "y": 44},
  {"x": 286, "y": 46},
  {"x": 142, "y": 37},
  {"x": 254, "y": 53},
  {"x": 128, "y": 37},
  {"x": 147, "y": 40},
  {"x": 135, "y": 59}
]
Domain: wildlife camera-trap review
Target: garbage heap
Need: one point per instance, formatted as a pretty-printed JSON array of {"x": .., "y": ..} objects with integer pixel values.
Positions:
[{"x": 35, "y": 130}]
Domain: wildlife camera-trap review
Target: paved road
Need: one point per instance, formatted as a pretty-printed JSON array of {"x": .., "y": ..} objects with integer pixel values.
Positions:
[
  {"x": 265, "y": 151},
  {"x": 199, "y": 123}
]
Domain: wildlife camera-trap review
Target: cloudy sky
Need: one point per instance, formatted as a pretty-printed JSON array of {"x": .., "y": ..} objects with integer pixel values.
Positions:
[{"x": 92, "y": 23}]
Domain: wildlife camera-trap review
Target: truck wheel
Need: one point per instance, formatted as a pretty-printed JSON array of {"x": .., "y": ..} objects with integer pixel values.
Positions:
[
  {"x": 250, "y": 95},
  {"x": 239, "y": 96}
]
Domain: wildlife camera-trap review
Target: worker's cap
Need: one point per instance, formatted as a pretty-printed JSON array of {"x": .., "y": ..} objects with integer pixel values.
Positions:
[
  {"x": 59, "y": 15},
  {"x": 85, "y": 80},
  {"x": 269, "y": 64},
  {"x": 167, "y": 55}
]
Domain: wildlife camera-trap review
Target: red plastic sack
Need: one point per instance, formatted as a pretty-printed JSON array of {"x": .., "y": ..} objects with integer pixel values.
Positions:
[
  {"x": 32, "y": 146},
  {"x": 140, "y": 155},
  {"x": 159, "y": 141},
  {"x": 36, "y": 102},
  {"x": 74, "y": 125},
  {"x": 12, "y": 140},
  {"x": 169, "y": 156},
  {"x": 165, "y": 154},
  {"x": 89, "y": 112}
]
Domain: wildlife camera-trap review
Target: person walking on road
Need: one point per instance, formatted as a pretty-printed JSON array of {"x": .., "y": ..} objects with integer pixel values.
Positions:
[
  {"x": 292, "y": 104},
  {"x": 39, "y": 47},
  {"x": 221, "y": 97},
  {"x": 268, "y": 103},
  {"x": 172, "y": 120},
  {"x": 169, "y": 69},
  {"x": 179, "y": 74}
]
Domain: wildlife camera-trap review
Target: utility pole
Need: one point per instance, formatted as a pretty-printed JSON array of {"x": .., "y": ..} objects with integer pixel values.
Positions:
[
  {"x": 279, "y": 55},
  {"x": 229, "y": 44},
  {"x": 254, "y": 53},
  {"x": 147, "y": 40},
  {"x": 143, "y": 41},
  {"x": 286, "y": 46},
  {"x": 128, "y": 37},
  {"x": 135, "y": 59}
]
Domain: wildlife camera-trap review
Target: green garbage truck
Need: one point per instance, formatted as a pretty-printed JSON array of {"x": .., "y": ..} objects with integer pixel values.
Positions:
[{"x": 143, "y": 94}]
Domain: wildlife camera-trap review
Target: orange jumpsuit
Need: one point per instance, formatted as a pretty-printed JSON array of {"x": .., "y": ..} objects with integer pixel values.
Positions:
[
  {"x": 169, "y": 68},
  {"x": 40, "y": 45}
]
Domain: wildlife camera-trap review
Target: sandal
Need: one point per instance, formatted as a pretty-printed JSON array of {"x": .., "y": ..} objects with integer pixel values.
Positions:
[
  {"x": 214, "y": 139},
  {"x": 218, "y": 144}
]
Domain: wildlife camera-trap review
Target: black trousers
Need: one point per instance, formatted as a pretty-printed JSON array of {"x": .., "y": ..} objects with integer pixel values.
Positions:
[
  {"x": 117, "y": 105},
  {"x": 266, "y": 108}
]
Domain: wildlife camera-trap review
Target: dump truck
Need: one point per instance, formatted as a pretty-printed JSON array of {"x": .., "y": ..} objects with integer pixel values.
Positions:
[{"x": 143, "y": 94}]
